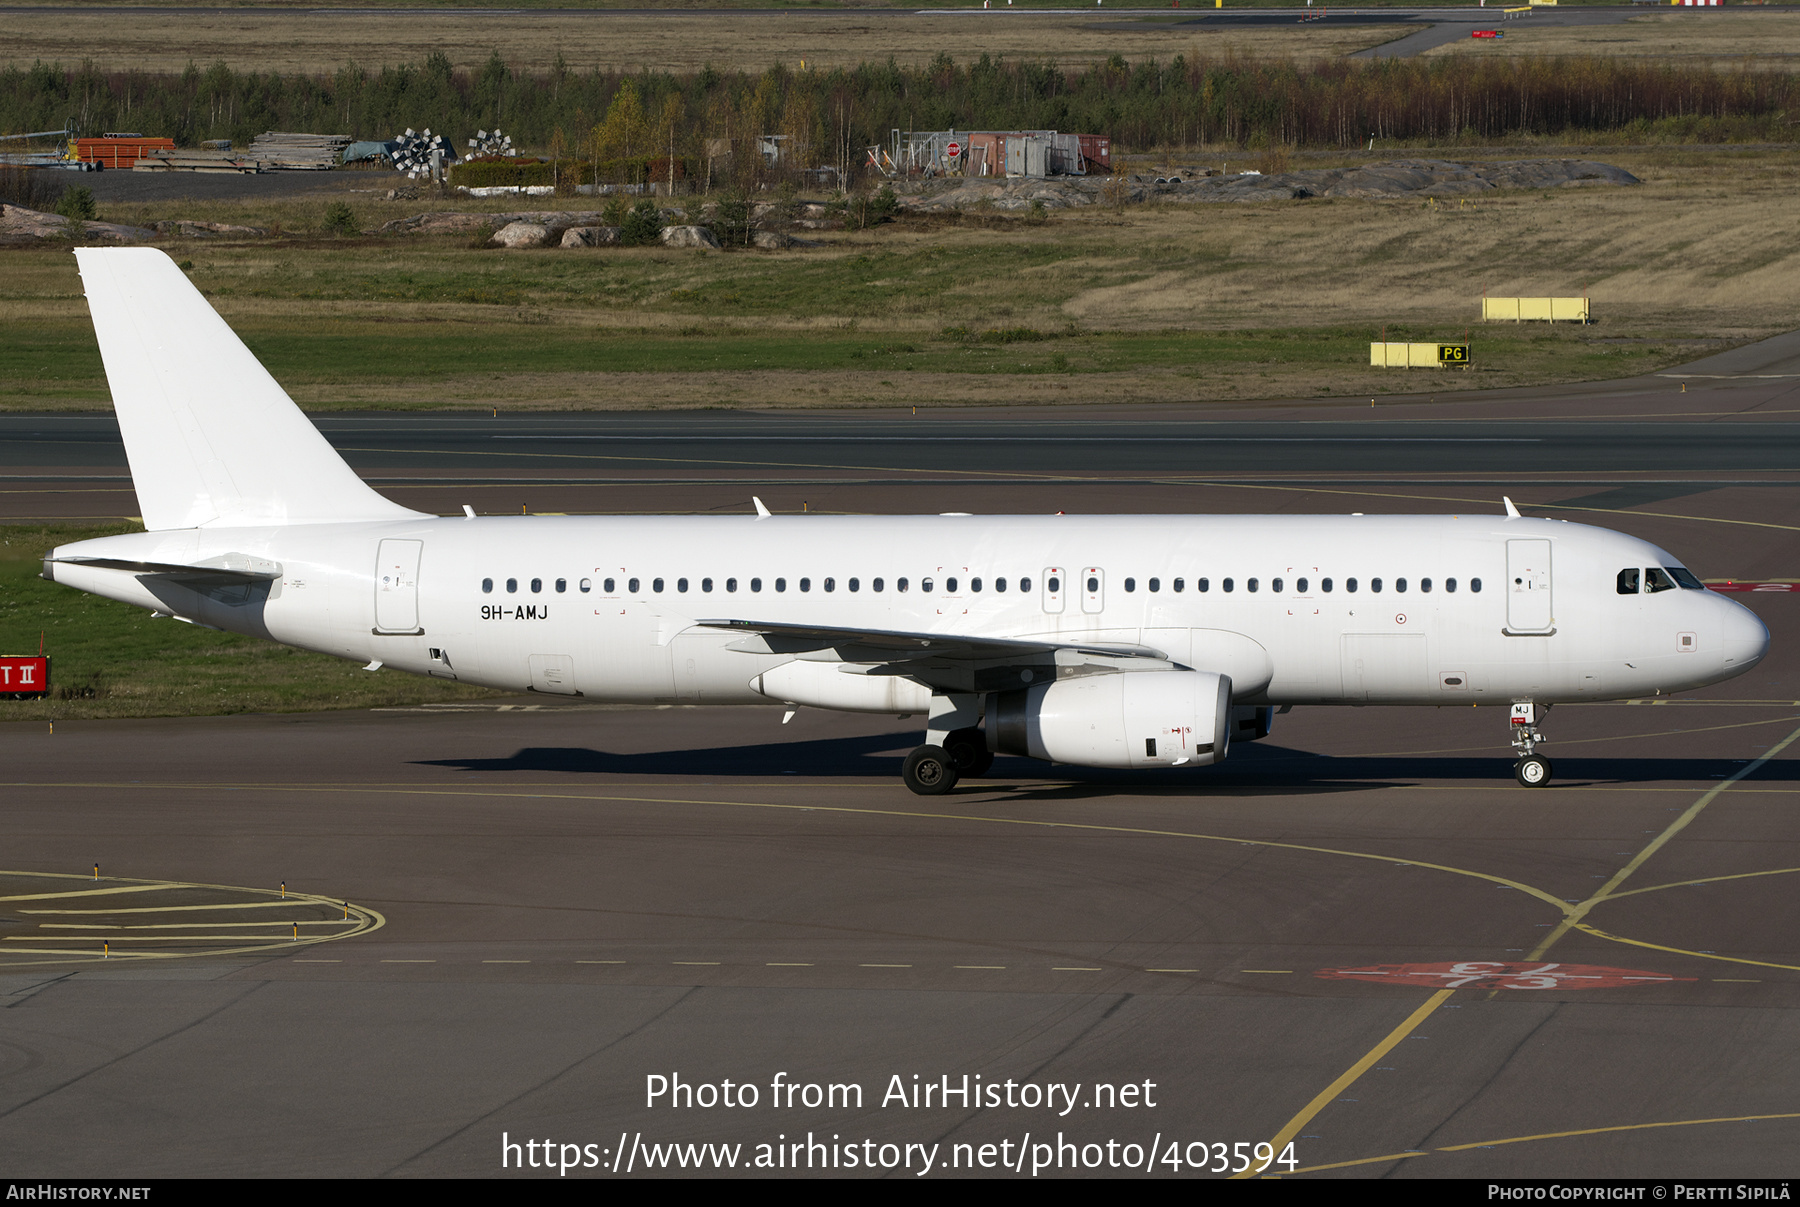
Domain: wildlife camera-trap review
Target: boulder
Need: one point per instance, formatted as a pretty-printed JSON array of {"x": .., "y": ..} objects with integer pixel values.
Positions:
[
  {"x": 688, "y": 236},
  {"x": 521, "y": 234},
  {"x": 591, "y": 236}
]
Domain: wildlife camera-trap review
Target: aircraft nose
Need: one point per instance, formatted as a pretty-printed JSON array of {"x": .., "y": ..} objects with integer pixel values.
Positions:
[{"x": 1746, "y": 639}]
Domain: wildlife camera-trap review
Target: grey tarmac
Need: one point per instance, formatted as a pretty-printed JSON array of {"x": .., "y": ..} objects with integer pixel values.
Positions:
[{"x": 574, "y": 899}]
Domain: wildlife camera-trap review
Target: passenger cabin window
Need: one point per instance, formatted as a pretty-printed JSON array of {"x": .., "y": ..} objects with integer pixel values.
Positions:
[
  {"x": 632, "y": 586},
  {"x": 587, "y": 584},
  {"x": 1053, "y": 584},
  {"x": 1325, "y": 585},
  {"x": 1228, "y": 585},
  {"x": 1400, "y": 585},
  {"x": 1628, "y": 580},
  {"x": 608, "y": 585},
  {"x": 656, "y": 585},
  {"x": 950, "y": 586},
  {"x": 1425, "y": 585},
  {"x": 1130, "y": 584},
  {"x": 1350, "y": 585},
  {"x": 756, "y": 585},
  {"x": 1475, "y": 585},
  {"x": 1656, "y": 579},
  {"x": 875, "y": 585},
  {"x": 706, "y": 585},
  {"x": 975, "y": 585},
  {"x": 1025, "y": 586},
  {"x": 1253, "y": 584},
  {"x": 512, "y": 586},
  {"x": 1155, "y": 584},
  {"x": 1179, "y": 585},
  {"x": 806, "y": 584},
  {"x": 900, "y": 584},
  {"x": 681, "y": 585},
  {"x": 925, "y": 585},
  {"x": 781, "y": 584},
  {"x": 562, "y": 584},
  {"x": 537, "y": 586},
  {"x": 1275, "y": 585},
  {"x": 1203, "y": 585},
  {"x": 831, "y": 584},
  {"x": 1000, "y": 584},
  {"x": 1450, "y": 585},
  {"x": 855, "y": 584},
  {"x": 731, "y": 585},
  {"x": 1375, "y": 585},
  {"x": 487, "y": 586}
]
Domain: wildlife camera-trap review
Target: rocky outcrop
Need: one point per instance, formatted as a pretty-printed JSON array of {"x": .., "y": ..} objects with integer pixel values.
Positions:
[
  {"x": 522, "y": 234},
  {"x": 688, "y": 236},
  {"x": 207, "y": 230},
  {"x": 452, "y": 222},
  {"x": 20, "y": 225},
  {"x": 1397, "y": 179},
  {"x": 591, "y": 236}
]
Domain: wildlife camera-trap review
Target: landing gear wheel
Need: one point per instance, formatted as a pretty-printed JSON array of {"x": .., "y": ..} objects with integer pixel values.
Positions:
[
  {"x": 1533, "y": 771},
  {"x": 968, "y": 752},
  {"x": 929, "y": 771}
]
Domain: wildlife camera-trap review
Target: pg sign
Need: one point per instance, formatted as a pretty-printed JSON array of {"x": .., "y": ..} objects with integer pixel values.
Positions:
[
  {"x": 24, "y": 678},
  {"x": 1453, "y": 354}
]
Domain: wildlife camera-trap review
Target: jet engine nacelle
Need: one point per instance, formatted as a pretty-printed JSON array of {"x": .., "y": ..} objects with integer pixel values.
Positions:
[{"x": 1136, "y": 719}]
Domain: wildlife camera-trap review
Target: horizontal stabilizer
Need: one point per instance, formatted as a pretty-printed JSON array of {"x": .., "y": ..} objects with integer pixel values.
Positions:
[
  {"x": 227, "y": 566},
  {"x": 212, "y": 439}
]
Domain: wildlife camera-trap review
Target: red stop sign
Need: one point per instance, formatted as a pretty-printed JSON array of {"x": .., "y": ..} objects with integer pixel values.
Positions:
[{"x": 953, "y": 150}]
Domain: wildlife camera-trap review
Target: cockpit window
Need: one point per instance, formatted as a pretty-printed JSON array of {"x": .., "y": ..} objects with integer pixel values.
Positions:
[
  {"x": 1656, "y": 579},
  {"x": 1685, "y": 578},
  {"x": 1628, "y": 580}
]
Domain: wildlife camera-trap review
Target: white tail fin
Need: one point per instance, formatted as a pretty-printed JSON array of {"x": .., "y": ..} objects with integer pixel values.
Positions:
[{"x": 211, "y": 437}]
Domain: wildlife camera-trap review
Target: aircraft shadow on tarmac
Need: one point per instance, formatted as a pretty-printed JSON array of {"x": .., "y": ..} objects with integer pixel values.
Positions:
[{"x": 1252, "y": 769}]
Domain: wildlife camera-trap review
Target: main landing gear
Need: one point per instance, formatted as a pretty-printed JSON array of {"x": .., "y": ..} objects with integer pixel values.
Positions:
[
  {"x": 954, "y": 747},
  {"x": 1533, "y": 769},
  {"x": 933, "y": 770}
]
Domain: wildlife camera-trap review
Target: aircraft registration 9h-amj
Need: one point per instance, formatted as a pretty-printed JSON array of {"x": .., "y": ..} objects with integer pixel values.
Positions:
[{"x": 1100, "y": 641}]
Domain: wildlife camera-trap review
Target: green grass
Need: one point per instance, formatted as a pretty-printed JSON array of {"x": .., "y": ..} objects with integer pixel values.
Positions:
[
  {"x": 109, "y": 659},
  {"x": 57, "y": 363}
]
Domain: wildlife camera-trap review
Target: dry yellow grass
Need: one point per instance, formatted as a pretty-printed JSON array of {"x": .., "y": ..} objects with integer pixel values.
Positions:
[
  {"x": 1700, "y": 36},
  {"x": 1708, "y": 247},
  {"x": 323, "y": 41}
]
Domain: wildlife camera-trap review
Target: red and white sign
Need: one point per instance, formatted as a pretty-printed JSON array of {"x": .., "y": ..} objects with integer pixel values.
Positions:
[
  {"x": 953, "y": 150},
  {"x": 24, "y": 676},
  {"x": 1486, "y": 33},
  {"x": 1733, "y": 585},
  {"x": 1493, "y": 974}
]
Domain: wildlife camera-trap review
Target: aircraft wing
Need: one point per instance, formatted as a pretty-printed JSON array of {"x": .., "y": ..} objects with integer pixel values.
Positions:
[{"x": 942, "y": 661}]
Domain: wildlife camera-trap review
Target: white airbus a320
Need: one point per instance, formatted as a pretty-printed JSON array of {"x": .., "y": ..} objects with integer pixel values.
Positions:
[{"x": 1102, "y": 641}]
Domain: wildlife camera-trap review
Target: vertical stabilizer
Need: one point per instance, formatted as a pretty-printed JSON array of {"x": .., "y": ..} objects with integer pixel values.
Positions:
[{"x": 211, "y": 437}]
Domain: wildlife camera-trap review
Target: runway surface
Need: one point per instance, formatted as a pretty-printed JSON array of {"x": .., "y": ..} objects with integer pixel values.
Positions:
[{"x": 1359, "y": 936}]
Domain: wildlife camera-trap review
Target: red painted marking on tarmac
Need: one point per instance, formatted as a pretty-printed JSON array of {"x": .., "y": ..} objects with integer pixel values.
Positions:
[
  {"x": 1732, "y": 585},
  {"x": 1494, "y": 974}
]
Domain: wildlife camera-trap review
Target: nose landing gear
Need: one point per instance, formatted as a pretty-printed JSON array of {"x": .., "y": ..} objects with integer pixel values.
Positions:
[{"x": 1533, "y": 769}]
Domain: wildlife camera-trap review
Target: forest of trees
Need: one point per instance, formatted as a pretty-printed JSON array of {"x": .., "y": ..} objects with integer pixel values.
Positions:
[{"x": 829, "y": 116}]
